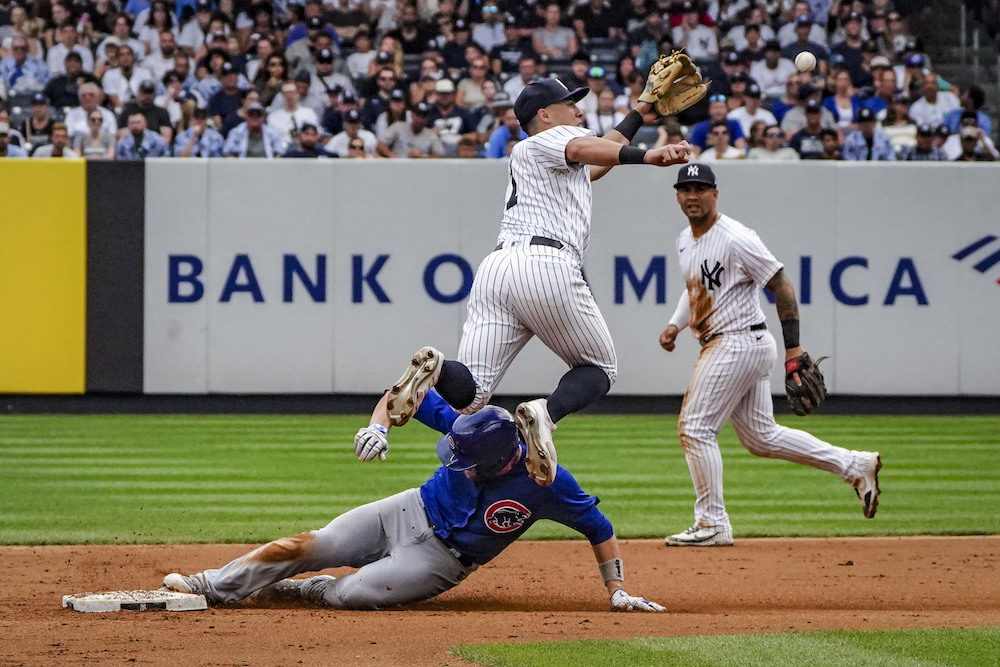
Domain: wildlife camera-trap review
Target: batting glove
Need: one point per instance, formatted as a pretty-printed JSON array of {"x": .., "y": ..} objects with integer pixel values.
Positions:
[
  {"x": 622, "y": 601},
  {"x": 371, "y": 441}
]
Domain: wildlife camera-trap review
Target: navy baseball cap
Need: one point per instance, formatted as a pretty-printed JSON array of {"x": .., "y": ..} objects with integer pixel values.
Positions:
[
  {"x": 541, "y": 93},
  {"x": 695, "y": 173},
  {"x": 865, "y": 115}
]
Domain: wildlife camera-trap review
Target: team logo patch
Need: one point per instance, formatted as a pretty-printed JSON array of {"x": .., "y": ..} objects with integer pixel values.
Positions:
[
  {"x": 693, "y": 170},
  {"x": 505, "y": 516}
]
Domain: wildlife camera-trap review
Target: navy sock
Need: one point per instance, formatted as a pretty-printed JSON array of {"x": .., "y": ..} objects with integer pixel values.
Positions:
[
  {"x": 456, "y": 385},
  {"x": 577, "y": 389}
]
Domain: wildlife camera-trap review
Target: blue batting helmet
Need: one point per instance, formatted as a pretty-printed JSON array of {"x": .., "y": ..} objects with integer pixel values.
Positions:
[{"x": 485, "y": 440}]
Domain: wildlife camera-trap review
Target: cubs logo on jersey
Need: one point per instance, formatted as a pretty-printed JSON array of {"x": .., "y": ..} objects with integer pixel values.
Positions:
[{"x": 505, "y": 516}]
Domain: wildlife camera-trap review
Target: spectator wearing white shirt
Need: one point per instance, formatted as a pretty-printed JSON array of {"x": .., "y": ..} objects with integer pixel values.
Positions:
[
  {"x": 697, "y": 40},
  {"x": 287, "y": 121},
  {"x": 751, "y": 110},
  {"x": 122, "y": 83},
  {"x": 56, "y": 58},
  {"x": 935, "y": 103},
  {"x": 772, "y": 73}
]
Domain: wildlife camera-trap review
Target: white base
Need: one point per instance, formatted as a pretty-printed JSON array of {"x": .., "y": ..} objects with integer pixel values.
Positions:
[{"x": 135, "y": 601}]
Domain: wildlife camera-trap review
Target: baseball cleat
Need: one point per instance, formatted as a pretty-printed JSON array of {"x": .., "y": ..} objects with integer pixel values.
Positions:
[
  {"x": 181, "y": 584},
  {"x": 699, "y": 536},
  {"x": 536, "y": 428},
  {"x": 866, "y": 486},
  {"x": 409, "y": 391},
  {"x": 286, "y": 590}
]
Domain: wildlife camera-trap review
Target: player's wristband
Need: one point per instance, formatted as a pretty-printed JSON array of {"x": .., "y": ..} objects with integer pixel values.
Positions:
[
  {"x": 631, "y": 155},
  {"x": 790, "y": 332},
  {"x": 630, "y": 124},
  {"x": 612, "y": 570},
  {"x": 378, "y": 427}
]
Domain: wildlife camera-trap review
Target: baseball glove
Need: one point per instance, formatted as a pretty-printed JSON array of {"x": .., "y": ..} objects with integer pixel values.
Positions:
[
  {"x": 674, "y": 84},
  {"x": 804, "y": 398}
]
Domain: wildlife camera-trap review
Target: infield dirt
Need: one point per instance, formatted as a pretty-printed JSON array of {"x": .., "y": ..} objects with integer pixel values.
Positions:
[{"x": 535, "y": 591}]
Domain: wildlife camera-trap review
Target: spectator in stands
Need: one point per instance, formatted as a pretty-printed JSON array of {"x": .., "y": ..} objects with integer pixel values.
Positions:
[
  {"x": 924, "y": 149},
  {"x": 253, "y": 138},
  {"x": 898, "y": 125},
  {"x": 140, "y": 143},
  {"x": 191, "y": 37},
  {"x": 307, "y": 145},
  {"x": 757, "y": 21},
  {"x": 646, "y": 39},
  {"x": 753, "y": 37},
  {"x": 490, "y": 32},
  {"x": 794, "y": 30},
  {"x": 850, "y": 49},
  {"x": 270, "y": 77},
  {"x": 469, "y": 92},
  {"x": 386, "y": 81},
  {"x": 287, "y": 120},
  {"x": 773, "y": 148},
  {"x": 361, "y": 57},
  {"x": 23, "y": 74},
  {"x": 721, "y": 148},
  {"x": 90, "y": 96},
  {"x": 970, "y": 139},
  {"x": 158, "y": 20},
  {"x": 830, "y": 139},
  {"x": 456, "y": 50},
  {"x": 177, "y": 102},
  {"x": 755, "y": 137},
  {"x": 604, "y": 117},
  {"x": 157, "y": 118},
  {"x": 95, "y": 144},
  {"x": 450, "y": 121},
  {"x": 935, "y": 103},
  {"x": 772, "y": 73},
  {"x": 353, "y": 132},
  {"x": 844, "y": 104},
  {"x": 751, "y": 111},
  {"x": 412, "y": 35},
  {"x": 972, "y": 99},
  {"x": 804, "y": 41},
  {"x": 332, "y": 121},
  {"x": 347, "y": 18},
  {"x": 697, "y": 40},
  {"x": 301, "y": 54},
  {"x": 161, "y": 60},
  {"x": 507, "y": 129},
  {"x": 505, "y": 56},
  {"x": 8, "y": 149},
  {"x": 885, "y": 91},
  {"x": 868, "y": 142},
  {"x": 199, "y": 140},
  {"x": 121, "y": 83},
  {"x": 913, "y": 70},
  {"x": 596, "y": 82},
  {"x": 396, "y": 112},
  {"x": 68, "y": 42},
  {"x": 807, "y": 142},
  {"x": 941, "y": 136},
  {"x": 554, "y": 39},
  {"x": 527, "y": 71},
  {"x": 412, "y": 138},
  {"x": 260, "y": 49},
  {"x": 62, "y": 90},
  {"x": 325, "y": 78},
  {"x": 58, "y": 145},
  {"x": 698, "y": 137},
  {"x": 968, "y": 126},
  {"x": 795, "y": 119},
  {"x": 37, "y": 127},
  {"x": 576, "y": 77},
  {"x": 596, "y": 20},
  {"x": 121, "y": 32}
]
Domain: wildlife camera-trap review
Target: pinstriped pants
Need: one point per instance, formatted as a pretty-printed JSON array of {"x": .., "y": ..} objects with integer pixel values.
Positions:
[
  {"x": 531, "y": 290},
  {"x": 731, "y": 380}
]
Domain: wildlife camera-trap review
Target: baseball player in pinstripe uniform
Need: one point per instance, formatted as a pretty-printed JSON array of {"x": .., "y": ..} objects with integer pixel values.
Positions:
[
  {"x": 532, "y": 283},
  {"x": 419, "y": 543},
  {"x": 724, "y": 265}
]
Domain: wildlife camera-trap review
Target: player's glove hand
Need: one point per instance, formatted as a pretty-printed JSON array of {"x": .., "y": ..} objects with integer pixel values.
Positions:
[
  {"x": 622, "y": 601},
  {"x": 674, "y": 83},
  {"x": 371, "y": 441},
  {"x": 804, "y": 384}
]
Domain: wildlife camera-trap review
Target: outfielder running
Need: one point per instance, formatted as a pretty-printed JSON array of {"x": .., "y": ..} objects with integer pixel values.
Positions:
[
  {"x": 532, "y": 283},
  {"x": 421, "y": 542},
  {"x": 724, "y": 265}
]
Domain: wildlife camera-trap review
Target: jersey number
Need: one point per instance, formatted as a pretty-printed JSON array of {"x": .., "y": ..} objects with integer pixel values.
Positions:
[{"x": 513, "y": 193}]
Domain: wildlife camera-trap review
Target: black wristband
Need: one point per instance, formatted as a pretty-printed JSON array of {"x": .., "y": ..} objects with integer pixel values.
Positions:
[
  {"x": 630, "y": 124},
  {"x": 631, "y": 155},
  {"x": 790, "y": 332}
]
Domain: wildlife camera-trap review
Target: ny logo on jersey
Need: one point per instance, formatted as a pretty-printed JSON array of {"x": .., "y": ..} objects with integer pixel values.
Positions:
[
  {"x": 692, "y": 170},
  {"x": 711, "y": 278}
]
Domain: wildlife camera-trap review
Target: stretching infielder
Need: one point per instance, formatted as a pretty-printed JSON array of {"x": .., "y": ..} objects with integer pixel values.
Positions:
[
  {"x": 421, "y": 542},
  {"x": 724, "y": 265},
  {"x": 532, "y": 283}
]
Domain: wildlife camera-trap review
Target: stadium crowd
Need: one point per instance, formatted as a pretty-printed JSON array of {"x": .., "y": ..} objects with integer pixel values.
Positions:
[{"x": 437, "y": 78}]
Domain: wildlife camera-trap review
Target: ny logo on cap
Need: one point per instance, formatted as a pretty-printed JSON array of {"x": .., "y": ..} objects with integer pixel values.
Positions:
[{"x": 693, "y": 170}]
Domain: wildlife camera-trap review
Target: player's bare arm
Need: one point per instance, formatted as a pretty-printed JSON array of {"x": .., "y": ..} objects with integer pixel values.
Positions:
[{"x": 788, "y": 312}]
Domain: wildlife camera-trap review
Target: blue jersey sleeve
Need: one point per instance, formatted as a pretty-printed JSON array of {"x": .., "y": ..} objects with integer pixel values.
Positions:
[
  {"x": 435, "y": 412},
  {"x": 574, "y": 507}
]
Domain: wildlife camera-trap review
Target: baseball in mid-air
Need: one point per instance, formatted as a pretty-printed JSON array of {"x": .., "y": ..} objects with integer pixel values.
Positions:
[{"x": 805, "y": 61}]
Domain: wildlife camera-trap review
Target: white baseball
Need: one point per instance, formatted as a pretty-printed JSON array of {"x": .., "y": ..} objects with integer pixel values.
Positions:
[{"x": 805, "y": 61}]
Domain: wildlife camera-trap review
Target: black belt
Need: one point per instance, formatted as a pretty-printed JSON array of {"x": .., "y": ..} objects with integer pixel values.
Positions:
[
  {"x": 465, "y": 561},
  {"x": 704, "y": 340},
  {"x": 538, "y": 240}
]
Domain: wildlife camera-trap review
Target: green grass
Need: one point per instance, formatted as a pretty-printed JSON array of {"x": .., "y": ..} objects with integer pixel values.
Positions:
[
  {"x": 177, "y": 479},
  {"x": 978, "y": 647}
]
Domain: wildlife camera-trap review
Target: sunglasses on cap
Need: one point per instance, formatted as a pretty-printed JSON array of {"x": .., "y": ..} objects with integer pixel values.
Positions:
[{"x": 717, "y": 98}]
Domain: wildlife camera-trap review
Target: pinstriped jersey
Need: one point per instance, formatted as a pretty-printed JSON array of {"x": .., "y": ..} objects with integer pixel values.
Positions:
[
  {"x": 546, "y": 196},
  {"x": 724, "y": 269}
]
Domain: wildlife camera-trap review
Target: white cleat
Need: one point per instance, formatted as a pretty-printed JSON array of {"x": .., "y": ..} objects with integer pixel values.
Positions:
[
  {"x": 866, "y": 486},
  {"x": 181, "y": 584},
  {"x": 409, "y": 391},
  {"x": 536, "y": 428},
  {"x": 699, "y": 536}
]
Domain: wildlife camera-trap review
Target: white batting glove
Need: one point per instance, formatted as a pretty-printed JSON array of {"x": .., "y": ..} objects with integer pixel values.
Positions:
[
  {"x": 622, "y": 601},
  {"x": 371, "y": 441}
]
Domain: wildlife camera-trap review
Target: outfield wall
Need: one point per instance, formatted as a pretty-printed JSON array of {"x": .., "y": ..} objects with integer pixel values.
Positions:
[{"x": 224, "y": 276}]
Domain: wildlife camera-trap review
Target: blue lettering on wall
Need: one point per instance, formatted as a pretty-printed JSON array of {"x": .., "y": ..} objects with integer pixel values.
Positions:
[
  {"x": 359, "y": 278},
  {"x": 431, "y": 270},
  {"x": 906, "y": 269},
  {"x": 836, "y": 274},
  {"x": 657, "y": 270},
  {"x": 241, "y": 265},
  {"x": 177, "y": 276},
  {"x": 292, "y": 267}
]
